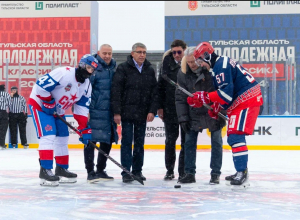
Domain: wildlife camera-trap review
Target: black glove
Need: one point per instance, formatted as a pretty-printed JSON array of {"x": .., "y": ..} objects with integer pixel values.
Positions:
[
  {"x": 26, "y": 116},
  {"x": 185, "y": 125}
]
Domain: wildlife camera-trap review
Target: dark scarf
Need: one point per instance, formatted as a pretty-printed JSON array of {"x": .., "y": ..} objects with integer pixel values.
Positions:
[{"x": 81, "y": 74}]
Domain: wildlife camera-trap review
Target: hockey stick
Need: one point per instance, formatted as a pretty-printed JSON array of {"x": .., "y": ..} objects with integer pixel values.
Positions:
[
  {"x": 101, "y": 151},
  {"x": 189, "y": 94}
]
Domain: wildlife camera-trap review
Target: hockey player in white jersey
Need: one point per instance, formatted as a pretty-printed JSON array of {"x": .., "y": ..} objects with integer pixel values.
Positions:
[{"x": 56, "y": 92}]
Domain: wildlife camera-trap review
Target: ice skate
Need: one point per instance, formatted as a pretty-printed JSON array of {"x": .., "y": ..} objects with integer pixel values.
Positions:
[
  {"x": 229, "y": 178},
  {"x": 65, "y": 176},
  {"x": 47, "y": 178},
  {"x": 241, "y": 181},
  {"x": 3, "y": 147}
]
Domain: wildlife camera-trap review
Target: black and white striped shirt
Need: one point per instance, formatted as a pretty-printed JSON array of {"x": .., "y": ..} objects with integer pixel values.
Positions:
[
  {"x": 5, "y": 100},
  {"x": 18, "y": 104}
]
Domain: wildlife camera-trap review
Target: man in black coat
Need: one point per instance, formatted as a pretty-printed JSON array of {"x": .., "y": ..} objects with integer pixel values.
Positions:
[
  {"x": 194, "y": 120},
  {"x": 167, "y": 109},
  {"x": 134, "y": 103}
]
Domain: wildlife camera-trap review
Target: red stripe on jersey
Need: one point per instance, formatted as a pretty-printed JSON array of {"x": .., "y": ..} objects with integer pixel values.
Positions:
[
  {"x": 46, "y": 154},
  {"x": 82, "y": 121},
  {"x": 239, "y": 149},
  {"x": 48, "y": 99},
  {"x": 62, "y": 160},
  {"x": 34, "y": 104},
  {"x": 37, "y": 122},
  {"x": 214, "y": 97}
]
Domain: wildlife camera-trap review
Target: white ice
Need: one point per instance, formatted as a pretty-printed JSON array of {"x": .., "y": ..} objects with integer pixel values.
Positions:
[{"x": 274, "y": 192}]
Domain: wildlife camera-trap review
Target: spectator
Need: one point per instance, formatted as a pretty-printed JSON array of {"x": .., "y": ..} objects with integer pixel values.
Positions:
[
  {"x": 5, "y": 102},
  {"x": 101, "y": 118},
  {"x": 167, "y": 109},
  {"x": 134, "y": 103},
  {"x": 17, "y": 117},
  {"x": 194, "y": 120}
]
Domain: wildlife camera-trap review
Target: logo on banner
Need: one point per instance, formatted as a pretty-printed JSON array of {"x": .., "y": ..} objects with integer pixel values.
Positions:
[
  {"x": 39, "y": 6},
  {"x": 254, "y": 4},
  {"x": 192, "y": 5}
]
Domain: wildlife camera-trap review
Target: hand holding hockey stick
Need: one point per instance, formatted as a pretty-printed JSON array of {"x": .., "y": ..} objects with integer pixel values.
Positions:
[
  {"x": 101, "y": 151},
  {"x": 189, "y": 94}
]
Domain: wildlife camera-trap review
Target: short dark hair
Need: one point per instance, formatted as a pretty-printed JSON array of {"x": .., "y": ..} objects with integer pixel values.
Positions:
[{"x": 178, "y": 43}]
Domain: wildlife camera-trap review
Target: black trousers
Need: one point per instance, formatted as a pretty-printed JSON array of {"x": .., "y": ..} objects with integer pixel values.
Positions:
[
  {"x": 89, "y": 155},
  {"x": 3, "y": 126},
  {"x": 15, "y": 120},
  {"x": 172, "y": 133}
]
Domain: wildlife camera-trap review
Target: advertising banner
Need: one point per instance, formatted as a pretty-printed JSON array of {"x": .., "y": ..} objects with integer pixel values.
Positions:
[
  {"x": 272, "y": 133},
  {"x": 37, "y": 37},
  {"x": 264, "y": 36}
]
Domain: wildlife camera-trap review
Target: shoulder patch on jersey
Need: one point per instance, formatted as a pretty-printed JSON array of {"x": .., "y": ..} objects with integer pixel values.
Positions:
[
  {"x": 68, "y": 87},
  {"x": 225, "y": 62}
]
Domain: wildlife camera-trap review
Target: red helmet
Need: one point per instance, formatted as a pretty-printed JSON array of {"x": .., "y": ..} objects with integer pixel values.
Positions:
[{"x": 203, "y": 51}]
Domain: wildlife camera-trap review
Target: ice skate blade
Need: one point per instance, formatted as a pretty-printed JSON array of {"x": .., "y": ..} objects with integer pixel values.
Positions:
[
  {"x": 67, "y": 180},
  {"x": 244, "y": 186},
  {"x": 44, "y": 182}
]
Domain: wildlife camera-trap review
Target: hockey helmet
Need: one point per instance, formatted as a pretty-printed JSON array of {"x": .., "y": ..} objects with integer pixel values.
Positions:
[
  {"x": 204, "y": 51},
  {"x": 88, "y": 59}
]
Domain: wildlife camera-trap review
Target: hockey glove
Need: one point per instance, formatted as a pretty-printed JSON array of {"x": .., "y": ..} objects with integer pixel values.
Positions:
[
  {"x": 185, "y": 126},
  {"x": 49, "y": 107},
  {"x": 86, "y": 135},
  {"x": 199, "y": 99},
  {"x": 214, "y": 112},
  {"x": 194, "y": 102}
]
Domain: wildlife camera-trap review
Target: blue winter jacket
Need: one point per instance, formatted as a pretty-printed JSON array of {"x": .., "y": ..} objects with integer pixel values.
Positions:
[{"x": 101, "y": 116}]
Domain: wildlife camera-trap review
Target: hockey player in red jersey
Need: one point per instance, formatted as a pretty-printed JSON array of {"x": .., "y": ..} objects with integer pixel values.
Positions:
[
  {"x": 237, "y": 92},
  {"x": 56, "y": 92}
]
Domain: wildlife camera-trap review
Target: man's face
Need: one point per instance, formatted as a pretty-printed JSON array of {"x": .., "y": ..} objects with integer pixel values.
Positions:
[
  {"x": 203, "y": 64},
  {"x": 177, "y": 53},
  {"x": 89, "y": 68},
  {"x": 13, "y": 91},
  {"x": 106, "y": 54},
  {"x": 139, "y": 55},
  {"x": 190, "y": 60}
]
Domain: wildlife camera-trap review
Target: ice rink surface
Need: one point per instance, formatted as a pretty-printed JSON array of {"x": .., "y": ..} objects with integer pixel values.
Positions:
[{"x": 274, "y": 192}]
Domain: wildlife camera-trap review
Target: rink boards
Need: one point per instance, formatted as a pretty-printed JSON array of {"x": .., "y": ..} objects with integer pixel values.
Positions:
[{"x": 271, "y": 133}]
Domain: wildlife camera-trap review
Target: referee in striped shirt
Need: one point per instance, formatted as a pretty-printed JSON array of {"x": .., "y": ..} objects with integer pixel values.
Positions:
[
  {"x": 17, "y": 116},
  {"x": 5, "y": 102}
]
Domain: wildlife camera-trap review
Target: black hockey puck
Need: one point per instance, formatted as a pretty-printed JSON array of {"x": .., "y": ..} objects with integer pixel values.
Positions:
[{"x": 177, "y": 186}]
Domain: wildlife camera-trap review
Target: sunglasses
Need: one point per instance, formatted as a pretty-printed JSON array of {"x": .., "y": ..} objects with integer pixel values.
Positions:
[{"x": 178, "y": 51}]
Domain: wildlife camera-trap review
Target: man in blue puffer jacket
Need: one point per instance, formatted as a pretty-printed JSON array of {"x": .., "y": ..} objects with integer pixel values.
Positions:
[{"x": 104, "y": 129}]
